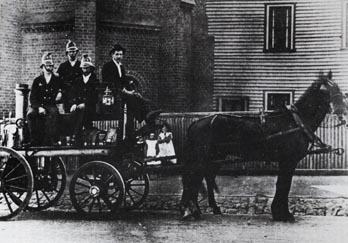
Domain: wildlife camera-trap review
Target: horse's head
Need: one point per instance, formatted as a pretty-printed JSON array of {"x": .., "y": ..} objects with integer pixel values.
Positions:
[{"x": 338, "y": 101}]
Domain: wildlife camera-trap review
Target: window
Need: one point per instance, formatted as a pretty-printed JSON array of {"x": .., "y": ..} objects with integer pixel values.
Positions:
[
  {"x": 275, "y": 100},
  {"x": 344, "y": 24},
  {"x": 233, "y": 103},
  {"x": 280, "y": 27}
]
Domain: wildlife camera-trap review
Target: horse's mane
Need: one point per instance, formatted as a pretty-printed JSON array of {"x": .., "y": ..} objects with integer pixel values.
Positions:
[{"x": 314, "y": 87}]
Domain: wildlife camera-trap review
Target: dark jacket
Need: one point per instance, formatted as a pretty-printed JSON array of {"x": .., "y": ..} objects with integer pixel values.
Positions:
[
  {"x": 68, "y": 73},
  {"x": 43, "y": 94},
  {"x": 111, "y": 76},
  {"x": 85, "y": 92}
]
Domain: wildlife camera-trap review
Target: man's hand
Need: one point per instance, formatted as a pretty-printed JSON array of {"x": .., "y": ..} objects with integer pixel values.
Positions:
[
  {"x": 138, "y": 95},
  {"x": 81, "y": 106},
  {"x": 42, "y": 111},
  {"x": 73, "y": 108},
  {"x": 59, "y": 96}
]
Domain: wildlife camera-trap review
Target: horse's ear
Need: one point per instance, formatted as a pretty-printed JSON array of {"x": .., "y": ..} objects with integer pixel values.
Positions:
[{"x": 329, "y": 75}]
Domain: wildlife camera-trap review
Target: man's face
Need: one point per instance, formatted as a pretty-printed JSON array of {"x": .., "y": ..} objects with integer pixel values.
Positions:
[
  {"x": 48, "y": 68},
  {"x": 86, "y": 70},
  {"x": 117, "y": 56},
  {"x": 72, "y": 55}
]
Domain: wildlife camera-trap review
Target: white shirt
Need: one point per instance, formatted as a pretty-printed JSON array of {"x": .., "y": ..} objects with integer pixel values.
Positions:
[
  {"x": 47, "y": 77},
  {"x": 86, "y": 78},
  {"x": 118, "y": 65},
  {"x": 72, "y": 63}
]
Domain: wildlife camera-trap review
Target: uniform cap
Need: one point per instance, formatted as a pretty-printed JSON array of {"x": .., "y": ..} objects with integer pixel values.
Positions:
[
  {"x": 86, "y": 61},
  {"x": 71, "y": 46},
  {"x": 46, "y": 59}
]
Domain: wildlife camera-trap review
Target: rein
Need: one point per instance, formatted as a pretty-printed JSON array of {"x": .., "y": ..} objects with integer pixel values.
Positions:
[{"x": 317, "y": 145}]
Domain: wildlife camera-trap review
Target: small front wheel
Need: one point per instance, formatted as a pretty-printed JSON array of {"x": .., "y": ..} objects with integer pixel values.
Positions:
[
  {"x": 137, "y": 189},
  {"x": 97, "y": 187}
]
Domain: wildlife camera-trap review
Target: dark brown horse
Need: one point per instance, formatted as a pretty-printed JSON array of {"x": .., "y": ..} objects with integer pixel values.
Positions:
[{"x": 283, "y": 136}]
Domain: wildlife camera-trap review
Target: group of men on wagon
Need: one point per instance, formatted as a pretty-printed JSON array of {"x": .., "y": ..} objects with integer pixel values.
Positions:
[{"x": 74, "y": 89}]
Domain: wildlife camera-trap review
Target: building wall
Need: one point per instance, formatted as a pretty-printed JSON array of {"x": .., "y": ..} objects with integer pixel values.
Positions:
[
  {"x": 10, "y": 47},
  {"x": 243, "y": 69},
  {"x": 156, "y": 34},
  {"x": 203, "y": 59}
]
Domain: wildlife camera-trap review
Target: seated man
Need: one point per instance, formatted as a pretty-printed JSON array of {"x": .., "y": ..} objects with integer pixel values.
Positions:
[
  {"x": 43, "y": 113},
  {"x": 83, "y": 98}
]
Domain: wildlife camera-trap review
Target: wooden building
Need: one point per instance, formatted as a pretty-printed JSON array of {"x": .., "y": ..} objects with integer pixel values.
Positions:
[{"x": 268, "y": 52}]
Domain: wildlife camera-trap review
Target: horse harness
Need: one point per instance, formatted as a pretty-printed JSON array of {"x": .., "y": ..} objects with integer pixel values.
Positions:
[{"x": 317, "y": 146}]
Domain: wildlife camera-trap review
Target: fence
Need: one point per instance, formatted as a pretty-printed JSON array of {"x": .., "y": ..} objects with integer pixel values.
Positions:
[
  {"x": 329, "y": 132},
  {"x": 333, "y": 135}
]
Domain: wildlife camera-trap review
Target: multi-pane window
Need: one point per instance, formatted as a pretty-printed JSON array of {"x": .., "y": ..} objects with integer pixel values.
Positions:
[
  {"x": 280, "y": 27},
  {"x": 275, "y": 100}
]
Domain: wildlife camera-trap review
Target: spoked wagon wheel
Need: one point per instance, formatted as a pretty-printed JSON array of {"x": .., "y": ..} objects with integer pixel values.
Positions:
[
  {"x": 137, "y": 189},
  {"x": 49, "y": 182},
  {"x": 16, "y": 183},
  {"x": 97, "y": 187},
  {"x": 136, "y": 181}
]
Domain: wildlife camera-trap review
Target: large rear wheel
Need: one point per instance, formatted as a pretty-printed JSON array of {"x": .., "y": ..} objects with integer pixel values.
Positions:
[
  {"x": 97, "y": 187},
  {"x": 16, "y": 183}
]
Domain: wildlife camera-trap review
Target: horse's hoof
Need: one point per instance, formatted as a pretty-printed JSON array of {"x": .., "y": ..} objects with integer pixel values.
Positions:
[
  {"x": 217, "y": 211},
  {"x": 182, "y": 210},
  {"x": 197, "y": 215},
  {"x": 187, "y": 214},
  {"x": 284, "y": 218}
]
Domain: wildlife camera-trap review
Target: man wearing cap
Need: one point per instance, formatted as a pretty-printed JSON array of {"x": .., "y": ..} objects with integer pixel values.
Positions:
[
  {"x": 43, "y": 113},
  {"x": 69, "y": 70},
  {"x": 114, "y": 77},
  {"x": 84, "y": 97}
]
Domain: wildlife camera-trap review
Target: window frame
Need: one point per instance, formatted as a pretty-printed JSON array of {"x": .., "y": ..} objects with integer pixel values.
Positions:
[
  {"x": 344, "y": 24},
  {"x": 266, "y": 93},
  {"x": 267, "y": 44},
  {"x": 243, "y": 99}
]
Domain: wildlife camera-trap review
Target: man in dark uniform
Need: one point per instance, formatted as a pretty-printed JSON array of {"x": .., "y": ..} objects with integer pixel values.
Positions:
[
  {"x": 43, "y": 113},
  {"x": 84, "y": 97},
  {"x": 69, "y": 70}
]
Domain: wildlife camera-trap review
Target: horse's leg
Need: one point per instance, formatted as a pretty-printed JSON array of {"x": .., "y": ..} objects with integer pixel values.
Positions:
[
  {"x": 197, "y": 179},
  {"x": 186, "y": 195},
  {"x": 211, "y": 186},
  {"x": 280, "y": 207}
]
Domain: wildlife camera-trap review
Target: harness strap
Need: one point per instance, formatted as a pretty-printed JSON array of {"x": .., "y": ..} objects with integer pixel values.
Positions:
[
  {"x": 314, "y": 139},
  {"x": 283, "y": 133},
  {"x": 299, "y": 122}
]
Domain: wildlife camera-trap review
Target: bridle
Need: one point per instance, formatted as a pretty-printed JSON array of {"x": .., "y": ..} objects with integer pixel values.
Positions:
[{"x": 333, "y": 97}]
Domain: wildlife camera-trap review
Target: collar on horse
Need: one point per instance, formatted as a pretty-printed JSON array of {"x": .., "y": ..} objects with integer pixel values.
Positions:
[{"x": 317, "y": 145}]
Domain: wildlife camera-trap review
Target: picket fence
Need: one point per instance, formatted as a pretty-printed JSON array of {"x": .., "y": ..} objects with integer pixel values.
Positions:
[{"x": 329, "y": 132}]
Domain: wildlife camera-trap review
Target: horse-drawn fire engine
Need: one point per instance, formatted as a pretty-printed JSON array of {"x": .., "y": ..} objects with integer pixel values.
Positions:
[
  {"x": 111, "y": 175},
  {"x": 114, "y": 175}
]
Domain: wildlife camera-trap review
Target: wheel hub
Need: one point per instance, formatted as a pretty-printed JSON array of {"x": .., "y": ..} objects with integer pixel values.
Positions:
[{"x": 94, "y": 191}]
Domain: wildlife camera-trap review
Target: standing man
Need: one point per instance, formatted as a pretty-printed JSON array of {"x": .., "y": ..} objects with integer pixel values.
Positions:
[
  {"x": 43, "y": 113},
  {"x": 84, "y": 97},
  {"x": 114, "y": 76},
  {"x": 69, "y": 70}
]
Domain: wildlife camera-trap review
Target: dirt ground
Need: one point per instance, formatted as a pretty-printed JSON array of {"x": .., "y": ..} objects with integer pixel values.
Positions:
[{"x": 163, "y": 226}]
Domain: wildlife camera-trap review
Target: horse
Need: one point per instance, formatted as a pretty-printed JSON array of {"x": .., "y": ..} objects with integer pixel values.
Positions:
[{"x": 283, "y": 136}]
